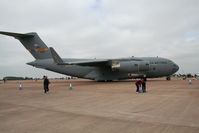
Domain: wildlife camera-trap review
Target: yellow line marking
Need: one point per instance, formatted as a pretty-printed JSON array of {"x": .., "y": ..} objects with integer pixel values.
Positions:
[{"x": 44, "y": 49}]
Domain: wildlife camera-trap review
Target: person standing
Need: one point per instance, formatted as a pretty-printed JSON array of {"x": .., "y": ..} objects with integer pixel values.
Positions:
[
  {"x": 46, "y": 83},
  {"x": 144, "y": 84},
  {"x": 4, "y": 80}
]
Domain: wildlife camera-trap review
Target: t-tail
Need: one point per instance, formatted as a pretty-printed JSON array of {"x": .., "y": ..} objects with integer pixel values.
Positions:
[{"x": 33, "y": 43}]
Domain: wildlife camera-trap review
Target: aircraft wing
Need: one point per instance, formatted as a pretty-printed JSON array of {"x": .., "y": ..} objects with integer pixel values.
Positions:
[
  {"x": 87, "y": 63},
  {"x": 93, "y": 62},
  {"x": 57, "y": 59}
]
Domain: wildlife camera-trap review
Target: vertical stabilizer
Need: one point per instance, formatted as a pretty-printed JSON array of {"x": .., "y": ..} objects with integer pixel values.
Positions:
[{"x": 33, "y": 43}]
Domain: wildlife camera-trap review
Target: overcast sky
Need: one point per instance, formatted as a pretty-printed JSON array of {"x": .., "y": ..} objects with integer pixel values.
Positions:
[{"x": 101, "y": 29}]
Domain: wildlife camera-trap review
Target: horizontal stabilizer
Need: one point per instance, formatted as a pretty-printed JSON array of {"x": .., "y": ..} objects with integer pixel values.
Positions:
[{"x": 16, "y": 35}]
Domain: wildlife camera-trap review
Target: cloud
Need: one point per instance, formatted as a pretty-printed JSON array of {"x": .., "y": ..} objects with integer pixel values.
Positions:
[{"x": 102, "y": 29}]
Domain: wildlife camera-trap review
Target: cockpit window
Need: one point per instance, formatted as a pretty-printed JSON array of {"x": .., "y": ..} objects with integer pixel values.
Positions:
[
  {"x": 163, "y": 62},
  {"x": 170, "y": 62}
]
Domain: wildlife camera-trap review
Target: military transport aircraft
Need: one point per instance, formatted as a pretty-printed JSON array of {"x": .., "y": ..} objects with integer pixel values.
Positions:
[{"x": 95, "y": 69}]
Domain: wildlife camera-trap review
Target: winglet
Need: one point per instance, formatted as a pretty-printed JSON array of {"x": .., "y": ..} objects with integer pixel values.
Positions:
[{"x": 57, "y": 59}]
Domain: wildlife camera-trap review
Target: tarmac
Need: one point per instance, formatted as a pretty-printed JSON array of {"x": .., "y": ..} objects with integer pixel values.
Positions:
[{"x": 99, "y": 107}]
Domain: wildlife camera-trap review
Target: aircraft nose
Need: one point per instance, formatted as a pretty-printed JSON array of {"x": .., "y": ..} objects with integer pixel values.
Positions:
[{"x": 175, "y": 67}]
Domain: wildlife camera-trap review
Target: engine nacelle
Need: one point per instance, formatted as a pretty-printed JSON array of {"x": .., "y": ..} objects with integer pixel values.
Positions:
[{"x": 130, "y": 66}]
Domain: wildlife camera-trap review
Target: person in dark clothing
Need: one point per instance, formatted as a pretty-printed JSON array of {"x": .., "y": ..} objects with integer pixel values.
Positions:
[
  {"x": 4, "y": 80},
  {"x": 138, "y": 85},
  {"x": 46, "y": 83},
  {"x": 144, "y": 84}
]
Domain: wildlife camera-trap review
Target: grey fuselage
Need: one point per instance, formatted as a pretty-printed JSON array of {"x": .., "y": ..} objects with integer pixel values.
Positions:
[{"x": 157, "y": 67}]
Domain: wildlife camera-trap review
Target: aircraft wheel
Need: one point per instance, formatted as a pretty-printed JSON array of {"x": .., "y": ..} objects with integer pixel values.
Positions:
[{"x": 168, "y": 78}]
